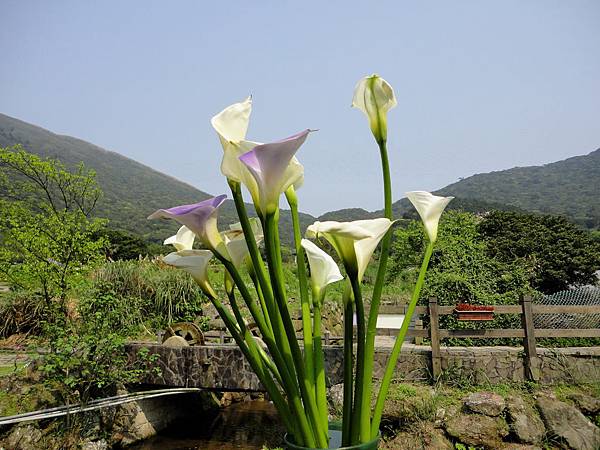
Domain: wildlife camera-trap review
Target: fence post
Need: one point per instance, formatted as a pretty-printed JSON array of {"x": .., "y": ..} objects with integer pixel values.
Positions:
[
  {"x": 532, "y": 362},
  {"x": 434, "y": 336},
  {"x": 418, "y": 326}
]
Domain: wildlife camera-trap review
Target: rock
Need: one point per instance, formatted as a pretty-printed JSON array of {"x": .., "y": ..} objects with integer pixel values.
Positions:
[
  {"x": 423, "y": 437},
  {"x": 23, "y": 437},
  {"x": 95, "y": 445},
  {"x": 176, "y": 341},
  {"x": 586, "y": 404},
  {"x": 568, "y": 424},
  {"x": 336, "y": 396},
  {"x": 477, "y": 430},
  {"x": 229, "y": 398},
  {"x": 524, "y": 421},
  {"x": 486, "y": 403}
]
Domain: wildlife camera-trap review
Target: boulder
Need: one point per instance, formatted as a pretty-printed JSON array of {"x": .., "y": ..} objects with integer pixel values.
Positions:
[
  {"x": 95, "y": 445},
  {"x": 486, "y": 403},
  {"x": 568, "y": 424},
  {"x": 586, "y": 404},
  {"x": 23, "y": 437},
  {"x": 514, "y": 446},
  {"x": 176, "y": 341},
  {"x": 425, "y": 438},
  {"x": 476, "y": 430},
  {"x": 524, "y": 422}
]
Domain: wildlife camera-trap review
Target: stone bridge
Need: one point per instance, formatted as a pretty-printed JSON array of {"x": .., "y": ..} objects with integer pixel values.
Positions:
[{"x": 222, "y": 367}]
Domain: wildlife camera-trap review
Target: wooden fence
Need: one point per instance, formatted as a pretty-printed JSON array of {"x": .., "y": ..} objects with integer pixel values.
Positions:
[{"x": 435, "y": 334}]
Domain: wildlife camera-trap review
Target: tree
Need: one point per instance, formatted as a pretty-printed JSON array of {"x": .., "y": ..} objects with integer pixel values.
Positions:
[
  {"x": 47, "y": 233},
  {"x": 560, "y": 253}
]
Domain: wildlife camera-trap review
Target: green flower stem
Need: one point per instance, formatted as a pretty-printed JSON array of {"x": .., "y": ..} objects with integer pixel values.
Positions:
[
  {"x": 251, "y": 355},
  {"x": 320, "y": 386},
  {"x": 249, "y": 338},
  {"x": 377, "y": 290},
  {"x": 348, "y": 372},
  {"x": 360, "y": 430},
  {"x": 289, "y": 382},
  {"x": 261, "y": 297},
  {"x": 391, "y": 365},
  {"x": 292, "y": 199},
  {"x": 277, "y": 329},
  {"x": 276, "y": 273}
]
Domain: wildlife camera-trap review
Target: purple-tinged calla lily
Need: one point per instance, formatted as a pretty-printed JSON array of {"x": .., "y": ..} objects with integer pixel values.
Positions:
[
  {"x": 231, "y": 125},
  {"x": 375, "y": 97},
  {"x": 323, "y": 269},
  {"x": 195, "y": 262},
  {"x": 430, "y": 207},
  {"x": 200, "y": 218},
  {"x": 275, "y": 169},
  {"x": 235, "y": 241},
  {"x": 183, "y": 240},
  {"x": 354, "y": 241}
]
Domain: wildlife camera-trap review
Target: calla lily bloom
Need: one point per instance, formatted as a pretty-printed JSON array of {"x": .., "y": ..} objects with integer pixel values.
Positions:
[
  {"x": 231, "y": 125},
  {"x": 354, "y": 241},
  {"x": 274, "y": 169},
  {"x": 183, "y": 240},
  {"x": 236, "y": 242},
  {"x": 430, "y": 207},
  {"x": 375, "y": 97},
  {"x": 195, "y": 262},
  {"x": 200, "y": 218},
  {"x": 323, "y": 269}
]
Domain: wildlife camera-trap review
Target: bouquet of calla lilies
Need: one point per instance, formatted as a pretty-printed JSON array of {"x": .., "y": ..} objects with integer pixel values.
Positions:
[{"x": 293, "y": 374}]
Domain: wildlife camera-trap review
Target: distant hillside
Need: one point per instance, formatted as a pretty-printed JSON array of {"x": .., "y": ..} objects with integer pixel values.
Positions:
[
  {"x": 570, "y": 187},
  {"x": 132, "y": 190}
]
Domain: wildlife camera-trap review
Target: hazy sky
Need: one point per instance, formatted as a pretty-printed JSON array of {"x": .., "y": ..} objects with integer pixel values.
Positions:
[{"x": 481, "y": 85}]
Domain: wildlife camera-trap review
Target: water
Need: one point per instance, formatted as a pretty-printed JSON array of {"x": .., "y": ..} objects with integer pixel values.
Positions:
[{"x": 248, "y": 426}]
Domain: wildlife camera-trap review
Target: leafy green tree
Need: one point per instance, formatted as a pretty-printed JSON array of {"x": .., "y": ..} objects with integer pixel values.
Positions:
[
  {"x": 47, "y": 235},
  {"x": 560, "y": 253}
]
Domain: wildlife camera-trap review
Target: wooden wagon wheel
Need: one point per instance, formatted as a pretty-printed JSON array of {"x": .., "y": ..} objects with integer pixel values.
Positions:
[{"x": 187, "y": 330}]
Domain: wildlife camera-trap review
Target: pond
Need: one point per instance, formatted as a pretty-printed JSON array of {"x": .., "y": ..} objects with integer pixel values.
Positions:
[{"x": 249, "y": 425}]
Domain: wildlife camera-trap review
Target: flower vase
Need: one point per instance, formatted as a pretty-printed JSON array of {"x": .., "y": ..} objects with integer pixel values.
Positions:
[{"x": 335, "y": 441}]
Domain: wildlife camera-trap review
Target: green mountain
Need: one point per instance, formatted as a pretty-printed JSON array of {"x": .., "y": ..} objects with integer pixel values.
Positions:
[
  {"x": 570, "y": 187},
  {"x": 132, "y": 190}
]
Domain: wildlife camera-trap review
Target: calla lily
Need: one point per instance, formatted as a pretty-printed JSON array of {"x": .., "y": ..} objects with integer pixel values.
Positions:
[
  {"x": 183, "y": 240},
  {"x": 274, "y": 169},
  {"x": 430, "y": 207},
  {"x": 375, "y": 97},
  {"x": 200, "y": 218},
  {"x": 323, "y": 269},
  {"x": 231, "y": 125},
  {"x": 236, "y": 242},
  {"x": 195, "y": 262},
  {"x": 354, "y": 241}
]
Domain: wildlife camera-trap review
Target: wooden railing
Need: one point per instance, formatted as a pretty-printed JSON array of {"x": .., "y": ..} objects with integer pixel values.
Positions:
[{"x": 527, "y": 332}]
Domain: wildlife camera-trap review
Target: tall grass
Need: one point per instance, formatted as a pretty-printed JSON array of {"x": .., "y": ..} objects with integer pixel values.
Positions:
[{"x": 164, "y": 292}]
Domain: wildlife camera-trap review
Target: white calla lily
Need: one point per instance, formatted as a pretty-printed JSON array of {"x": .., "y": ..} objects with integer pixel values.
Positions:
[
  {"x": 354, "y": 241},
  {"x": 195, "y": 262},
  {"x": 323, "y": 269},
  {"x": 235, "y": 241},
  {"x": 430, "y": 207},
  {"x": 183, "y": 240},
  {"x": 375, "y": 97}
]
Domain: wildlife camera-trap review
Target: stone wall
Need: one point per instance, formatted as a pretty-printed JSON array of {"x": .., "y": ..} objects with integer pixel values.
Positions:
[{"x": 224, "y": 368}]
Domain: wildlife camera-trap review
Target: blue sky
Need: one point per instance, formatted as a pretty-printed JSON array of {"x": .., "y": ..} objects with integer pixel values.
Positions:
[{"x": 481, "y": 85}]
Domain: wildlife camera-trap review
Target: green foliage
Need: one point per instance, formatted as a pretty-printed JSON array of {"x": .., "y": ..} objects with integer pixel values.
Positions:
[
  {"x": 560, "y": 253},
  {"x": 461, "y": 270},
  {"x": 47, "y": 236},
  {"x": 124, "y": 245},
  {"x": 87, "y": 357},
  {"x": 158, "y": 292}
]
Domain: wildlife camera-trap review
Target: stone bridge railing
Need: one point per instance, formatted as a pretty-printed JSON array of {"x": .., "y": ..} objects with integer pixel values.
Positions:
[{"x": 224, "y": 368}]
